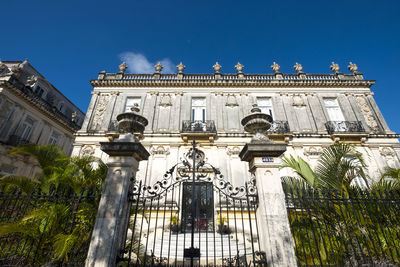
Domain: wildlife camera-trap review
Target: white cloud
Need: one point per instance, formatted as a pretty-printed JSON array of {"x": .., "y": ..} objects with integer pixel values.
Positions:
[{"x": 138, "y": 63}]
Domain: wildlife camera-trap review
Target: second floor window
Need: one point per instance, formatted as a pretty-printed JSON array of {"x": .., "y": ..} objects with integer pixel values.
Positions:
[
  {"x": 39, "y": 91},
  {"x": 27, "y": 129},
  {"x": 198, "y": 109},
  {"x": 130, "y": 102},
  {"x": 333, "y": 109},
  {"x": 54, "y": 138},
  {"x": 265, "y": 104}
]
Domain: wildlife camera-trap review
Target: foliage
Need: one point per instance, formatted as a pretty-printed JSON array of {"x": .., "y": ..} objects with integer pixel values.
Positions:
[
  {"x": 330, "y": 229},
  {"x": 338, "y": 165},
  {"x": 174, "y": 220},
  {"x": 221, "y": 220},
  {"x": 334, "y": 223},
  {"x": 390, "y": 179},
  {"x": 54, "y": 212}
]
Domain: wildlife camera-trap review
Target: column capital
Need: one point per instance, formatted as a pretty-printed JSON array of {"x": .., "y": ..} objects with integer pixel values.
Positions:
[
  {"x": 261, "y": 149},
  {"x": 127, "y": 149}
]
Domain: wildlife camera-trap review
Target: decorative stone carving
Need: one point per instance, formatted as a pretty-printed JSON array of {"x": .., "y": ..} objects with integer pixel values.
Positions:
[
  {"x": 165, "y": 100},
  {"x": 180, "y": 67},
  {"x": 99, "y": 111},
  {"x": 334, "y": 67},
  {"x": 257, "y": 123},
  {"x": 367, "y": 113},
  {"x": 130, "y": 123},
  {"x": 158, "y": 67},
  {"x": 352, "y": 67},
  {"x": 159, "y": 150},
  {"x": 3, "y": 68},
  {"x": 231, "y": 100},
  {"x": 298, "y": 101},
  {"x": 312, "y": 151},
  {"x": 275, "y": 67},
  {"x": 16, "y": 69},
  {"x": 31, "y": 80},
  {"x": 73, "y": 116},
  {"x": 389, "y": 156},
  {"x": 298, "y": 68},
  {"x": 239, "y": 67},
  {"x": 387, "y": 152},
  {"x": 122, "y": 67},
  {"x": 87, "y": 150},
  {"x": 217, "y": 67},
  {"x": 233, "y": 151}
]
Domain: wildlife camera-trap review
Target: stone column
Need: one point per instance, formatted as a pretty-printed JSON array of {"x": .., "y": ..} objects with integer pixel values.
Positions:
[
  {"x": 274, "y": 230},
  {"x": 110, "y": 226}
]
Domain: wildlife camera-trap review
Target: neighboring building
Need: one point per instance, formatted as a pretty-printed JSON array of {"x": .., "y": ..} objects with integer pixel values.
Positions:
[
  {"x": 33, "y": 111},
  {"x": 310, "y": 112}
]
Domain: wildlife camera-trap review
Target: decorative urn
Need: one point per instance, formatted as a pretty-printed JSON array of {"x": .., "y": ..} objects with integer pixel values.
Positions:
[
  {"x": 257, "y": 123},
  {"x": 130, "y": 123}
]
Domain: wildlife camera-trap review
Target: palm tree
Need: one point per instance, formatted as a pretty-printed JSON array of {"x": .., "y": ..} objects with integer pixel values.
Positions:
[
  {"x": 390, "y": 179},
  {"x": 338, "y": 165},
  {"x": 59, "y": 224}
]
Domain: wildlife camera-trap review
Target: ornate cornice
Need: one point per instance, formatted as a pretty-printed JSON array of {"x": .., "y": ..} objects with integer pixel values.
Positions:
[{"x": 231, "y": 80}]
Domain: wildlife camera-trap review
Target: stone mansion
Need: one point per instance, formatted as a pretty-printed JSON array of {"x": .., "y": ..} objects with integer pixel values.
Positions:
[{"x": 309, "y": 111}]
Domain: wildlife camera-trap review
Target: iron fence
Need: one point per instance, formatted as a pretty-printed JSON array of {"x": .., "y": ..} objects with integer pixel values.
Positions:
[
  {"x": 356, "y": 228},
  {"x": 34, "y": 226}
]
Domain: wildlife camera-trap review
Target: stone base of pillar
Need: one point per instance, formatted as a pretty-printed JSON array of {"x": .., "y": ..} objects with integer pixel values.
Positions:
[
  {"x": 113, "y": 212},
  {"x": 275, "y": 236}
]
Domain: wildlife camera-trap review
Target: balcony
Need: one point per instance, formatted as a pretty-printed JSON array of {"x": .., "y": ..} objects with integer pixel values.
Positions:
[
  {"x": 351, "y": 131},
  {"x": 279, "y": 131},
  {"x": 15, "y": 140},
  {"x": 199, "y": 130},
  {"x": 279, "y": 127},
  {"x": 344, "y": 127}
]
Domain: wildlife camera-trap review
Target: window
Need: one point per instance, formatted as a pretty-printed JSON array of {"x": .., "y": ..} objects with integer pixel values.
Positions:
[
  {"x": 54, "y": 138},
  {"x": 333, "y": 109},
  {"x": 61, "y": 106},
  {"x": 130, "y": 102},
  {"x": 27, "y": 129},
  {"x": 265, "y": 104},
  {"x": 198, "y": 109},
  {"x": 39, "y": 91}
]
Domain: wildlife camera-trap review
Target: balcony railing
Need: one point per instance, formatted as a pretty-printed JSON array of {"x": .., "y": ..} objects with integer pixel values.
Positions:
[
  {"x": 344, "y": 127},
  {"x": 15, "y": 140},
  {"x": 279, "y": 127},
  {"x": 198, "y": 127}
]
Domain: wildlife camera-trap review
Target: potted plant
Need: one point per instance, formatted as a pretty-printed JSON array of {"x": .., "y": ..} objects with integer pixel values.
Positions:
[
  {"x": 222, "y": 228},
  {"x": 174, "y": 224}
]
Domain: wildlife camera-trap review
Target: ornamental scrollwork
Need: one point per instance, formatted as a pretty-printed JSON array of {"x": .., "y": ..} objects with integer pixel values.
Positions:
[{"x": 202, "y": 172}]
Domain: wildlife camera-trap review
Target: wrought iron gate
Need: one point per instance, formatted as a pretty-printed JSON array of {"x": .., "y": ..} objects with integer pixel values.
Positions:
[{"x": 192, "y": 217}]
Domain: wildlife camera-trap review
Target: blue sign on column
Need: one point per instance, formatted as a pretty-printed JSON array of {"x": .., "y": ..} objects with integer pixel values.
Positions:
[{"x": 267, "y": 159}]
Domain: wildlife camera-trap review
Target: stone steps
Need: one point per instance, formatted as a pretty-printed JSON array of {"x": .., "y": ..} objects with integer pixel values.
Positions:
[{"x": 223, "y": 246}]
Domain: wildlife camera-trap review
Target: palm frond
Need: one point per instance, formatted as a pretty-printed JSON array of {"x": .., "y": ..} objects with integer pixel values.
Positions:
[
  {"x": 47, "y": 156},
  {"x": 25, "y": 184},
  {"x": 301, "y": 168},
  {"x": 64, "y": 244}
]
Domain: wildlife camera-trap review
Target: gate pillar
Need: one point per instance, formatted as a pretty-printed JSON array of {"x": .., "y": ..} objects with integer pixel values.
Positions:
[
  {"x": 274, "y": 231},
  {"x": 113, "y": 212}
]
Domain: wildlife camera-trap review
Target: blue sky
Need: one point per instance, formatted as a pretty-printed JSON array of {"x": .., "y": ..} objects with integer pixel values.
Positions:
[{"x": 69, "y": 42}]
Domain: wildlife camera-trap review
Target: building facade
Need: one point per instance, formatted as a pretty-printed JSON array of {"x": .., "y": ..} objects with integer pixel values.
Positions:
[
  {"x": 33, "y": 111},
  {"x": 310, "y": 112},
  {"x": 195, "y": 213}
]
